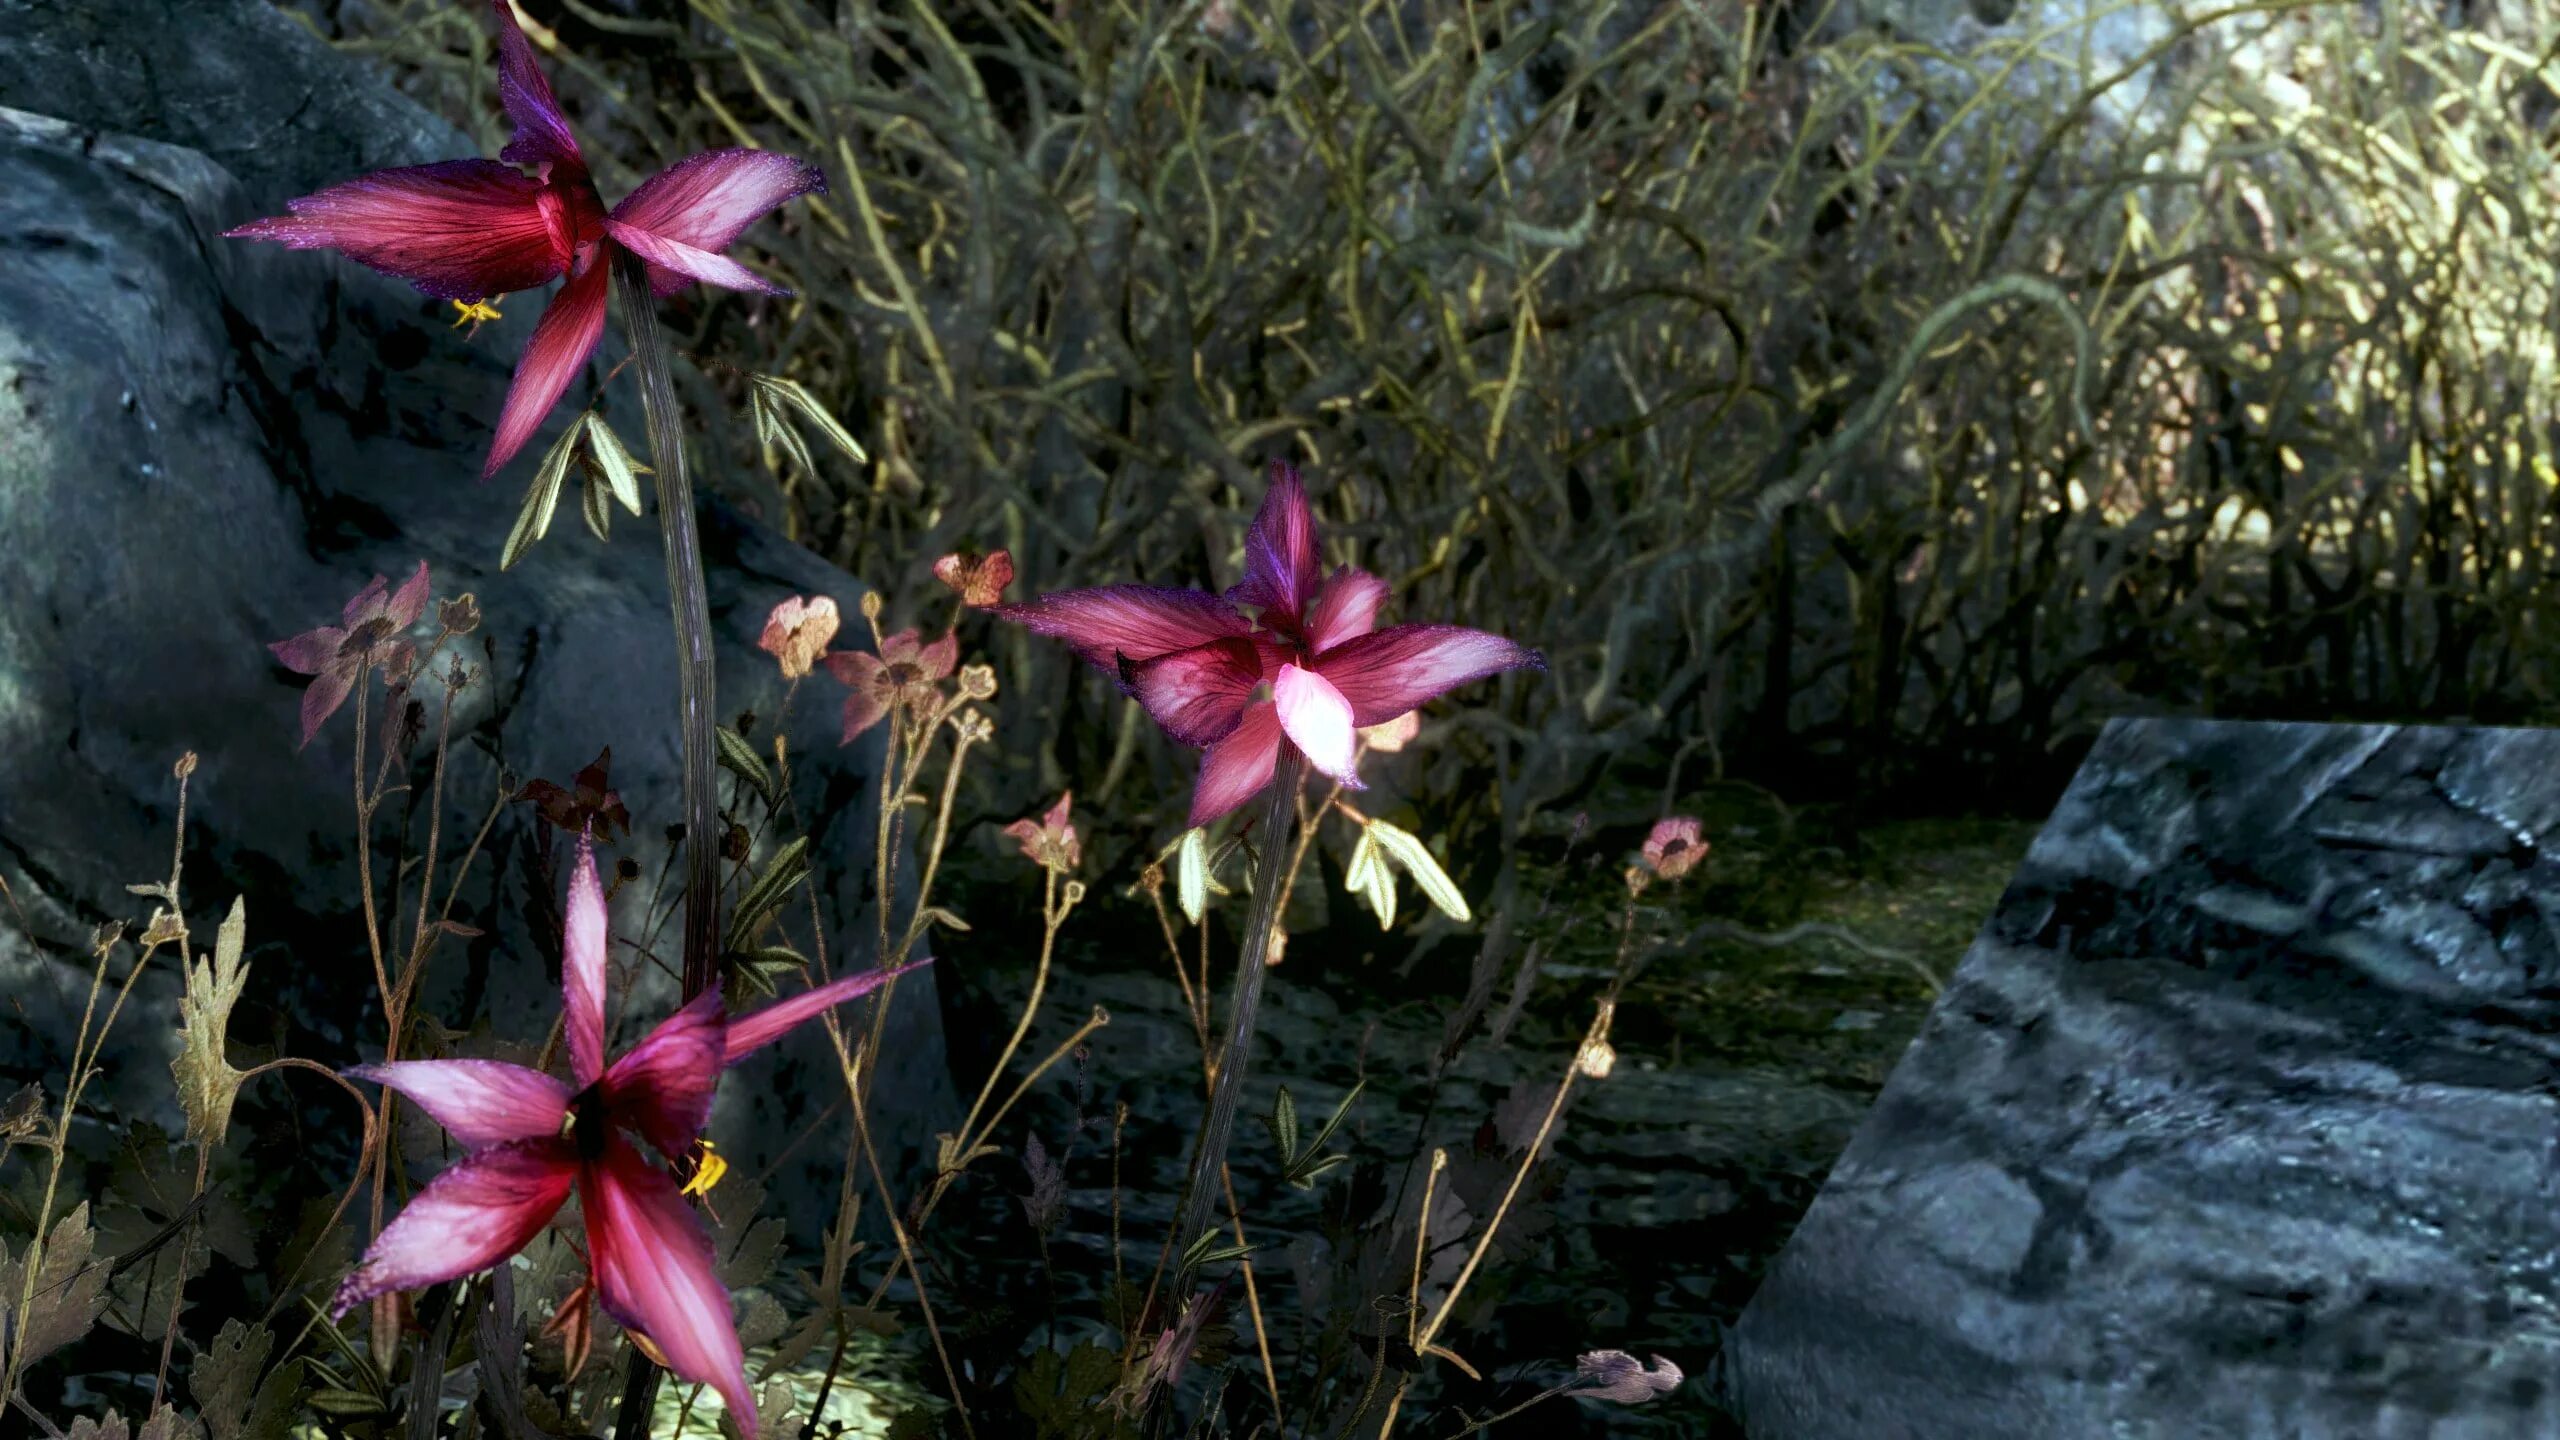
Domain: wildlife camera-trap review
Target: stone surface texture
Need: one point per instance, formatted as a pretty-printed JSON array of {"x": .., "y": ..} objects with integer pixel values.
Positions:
[{"x": 2237, "y": 1120}]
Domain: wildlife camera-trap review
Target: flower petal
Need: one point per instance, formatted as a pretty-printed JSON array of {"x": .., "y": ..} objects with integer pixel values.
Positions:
[
  {"x": 654, "y": 1272},
  {"x": 753, "y": 1031},
  {"x": 1139, "y": 621},
  {"x": 582, "y": 968},
  {"x": 409, "y": 601},
  {"x": 327, "y": 692},
  {"x": 542, "y": 133},
  {"x": 1318, "y": 720},
  {"x": 566, "y": 335},
  {"x": 662, "y": 1086},
  {"x": 687, "y": 263},
  {"x": 1237, "y": 768},
  {"x": 703, "y": 201},
  {"x": 365, "y": 604},
  {"x": 1198, "y": 694},
  {"x": 937, "y": 658},
  {"x": 457, "y": 229},
  {"x": 1280, "y": 565},
  {"x": 1345, "y": 609},
  {"x": 478, "y": 1102},
  {"x": 482, "y": 1209},
  {"x": 862, "y": 710},
  {"x": 1387, "y": 672},
  {"x": 310, "y": 652}
]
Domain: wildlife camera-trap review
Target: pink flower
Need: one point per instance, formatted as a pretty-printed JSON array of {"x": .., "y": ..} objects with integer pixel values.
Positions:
[
  {"x": 905, "y": 669},
  {"x": 367, "y": 634},
  {"x": 470, "y": 229},
  {"x": 1674, "y": 849},
  {"x": 531, "y": 1139},
  {"x": 1199, "y": 664},
  {"x": 797, "y": 632},
  {"x": 979, "y": 581},
  {"x": 1050, "y": 842}
]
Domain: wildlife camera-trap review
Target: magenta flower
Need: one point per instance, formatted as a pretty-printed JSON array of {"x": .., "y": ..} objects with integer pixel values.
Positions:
[
  {"x": 531, "y": 1139},
  {"x": 367, "y": 634},
  {"x": 1200, "y": 665},
  {"x": 906, "y": 669},
  {"x": 470, "y": 229},
  {"x": 1050, "y": 842}
]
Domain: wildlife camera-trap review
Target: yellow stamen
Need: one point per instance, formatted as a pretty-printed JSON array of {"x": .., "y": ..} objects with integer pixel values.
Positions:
[
  {"x": 473, "y": 313},
  {"x": 707, "y": 1170}
]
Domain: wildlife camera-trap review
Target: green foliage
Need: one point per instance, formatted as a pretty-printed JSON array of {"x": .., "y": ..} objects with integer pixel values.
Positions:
[
  {"x": 207, "y": 1085},
  {"x": 69, "y": 1288}
]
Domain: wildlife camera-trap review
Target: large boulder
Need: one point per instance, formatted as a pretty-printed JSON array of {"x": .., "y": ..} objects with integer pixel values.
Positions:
[
  {"x": 207, "y": 445},
  {"x": 2237, "y": 1120}
]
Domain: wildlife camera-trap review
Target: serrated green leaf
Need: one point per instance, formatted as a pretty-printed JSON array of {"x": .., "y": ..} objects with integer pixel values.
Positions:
[
  {"x": 207, "y": 1085},
  {"x": 225, "y": 1382},
  {"x": 1418, "y": 862},
  {"x": 819, "y": 415},
  {"x": 738, "y": 756},
  {"x": 541, "y": 498},
  {"x": 70, "y": 1291},
  {"x": 614, "y": 462}
]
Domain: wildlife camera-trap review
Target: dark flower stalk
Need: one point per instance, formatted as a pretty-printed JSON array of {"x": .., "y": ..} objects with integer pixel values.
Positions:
[
  {"x": 1252, "y": 961},
  {"x": 696, "y": 677}
]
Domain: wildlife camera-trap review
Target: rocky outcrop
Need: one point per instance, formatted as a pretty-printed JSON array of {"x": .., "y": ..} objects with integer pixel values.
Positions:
[
  {"x": 2237, "y": 1120},
  {"x": 207, "y": 445}
]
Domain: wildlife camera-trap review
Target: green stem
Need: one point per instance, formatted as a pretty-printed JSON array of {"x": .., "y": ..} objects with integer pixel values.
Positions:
[
  {"x": 1261, "y": 919},
  {"x": 696, "y": 678}
]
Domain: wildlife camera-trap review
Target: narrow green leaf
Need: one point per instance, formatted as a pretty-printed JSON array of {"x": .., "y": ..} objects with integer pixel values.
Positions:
[
  {"x": 541, "y": 498},
  {"x": 819, "y": 415},
  {"x": 765, "y": 896},
  {"x": 613, "y": 461},
  {"x": 1304, "y": 1178},
  {"x": 1355, "y": 876},
  {"x": 595, "y": 505},
  {"x": 1417, "y": 861},
  {"x": 1334, "y": 1121},
  {"x": 1191, "y": 874},
  {"x": 1284, "y": 1127},
  {"x": 738, "y": 756},
  {"x": 1207, "y": 1251}
]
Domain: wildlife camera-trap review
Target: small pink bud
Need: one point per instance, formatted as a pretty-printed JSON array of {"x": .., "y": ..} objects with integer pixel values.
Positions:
[
  {"x": 978, "y": 580},
  {"x": 1620, "y": 1378},
  {"x": 1673, "y": 849},
  {"x": 797, "y": 632}
]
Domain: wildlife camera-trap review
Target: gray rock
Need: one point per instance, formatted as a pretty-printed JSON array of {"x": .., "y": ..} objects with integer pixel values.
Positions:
[
  {"x": 206, "y": 445},
  {"x": 2237, "y": 1120}
]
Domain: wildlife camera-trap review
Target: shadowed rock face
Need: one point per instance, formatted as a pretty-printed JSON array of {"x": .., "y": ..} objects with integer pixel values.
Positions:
[
  {"x": 206, "y": 445},
  {"x": 2237, "y": 1120}
]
